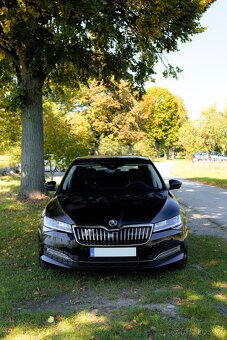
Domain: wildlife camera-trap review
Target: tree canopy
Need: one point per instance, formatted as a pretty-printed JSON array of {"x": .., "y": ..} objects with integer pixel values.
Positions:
[
  {"x": 165, "y": 114},
  {"x": 112, "y": 113},
  {"x": 73, "y": 41},
  {"x": 212, "y": 129},
  {"x": 62, "y": 138}
]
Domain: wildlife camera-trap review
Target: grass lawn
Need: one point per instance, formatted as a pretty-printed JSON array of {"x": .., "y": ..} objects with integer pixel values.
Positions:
[
  {"x": 213, "y": 173},
  {"x": 5, "y": 161},
  {"x": 54, "y": 304}
]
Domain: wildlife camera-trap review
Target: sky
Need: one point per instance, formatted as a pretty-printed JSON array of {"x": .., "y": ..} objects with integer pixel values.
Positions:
[{"x": 203, "y": 81}]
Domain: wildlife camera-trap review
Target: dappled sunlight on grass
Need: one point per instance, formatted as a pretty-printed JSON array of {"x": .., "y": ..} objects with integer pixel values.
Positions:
[
  {"x": 195, "y": 330},
  {"x": 221, "y": 297},
  {"x": 31, "y": 332},
  {"x": 83, "y": 325},
  {"x": 5, "y": 189},
  {"x": 219, "y": 332},
  {"x": 88, "y": 317},
  {"x": 10, "y": 181},
  {"x": 220, "y": 284},
  {"x": 194, "y": 297},
  {"x": 80, "y": 325}
]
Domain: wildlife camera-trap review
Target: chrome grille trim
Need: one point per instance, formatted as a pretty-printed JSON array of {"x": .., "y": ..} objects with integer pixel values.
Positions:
[{"x": 127, "y": 235}]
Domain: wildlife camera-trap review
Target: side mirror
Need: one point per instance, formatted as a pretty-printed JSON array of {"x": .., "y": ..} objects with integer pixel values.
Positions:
[
  {"x": 174, "y": 184},
  {"x": 50, "y": 186}
]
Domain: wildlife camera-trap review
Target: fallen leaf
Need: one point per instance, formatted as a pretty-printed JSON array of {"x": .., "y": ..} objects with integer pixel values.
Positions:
[
  {"x": 58, "y": 318},
  {"x": 128, "y": 326},
  {"x": 141, "y": 315},
  {"x": 50, "y": 319}
]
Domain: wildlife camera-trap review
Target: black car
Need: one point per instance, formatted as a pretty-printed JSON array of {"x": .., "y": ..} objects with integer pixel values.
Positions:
[{"x": 113, "y": 212}]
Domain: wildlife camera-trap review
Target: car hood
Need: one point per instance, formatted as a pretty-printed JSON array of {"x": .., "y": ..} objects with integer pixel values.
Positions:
[{"x": 96, "y": 209}]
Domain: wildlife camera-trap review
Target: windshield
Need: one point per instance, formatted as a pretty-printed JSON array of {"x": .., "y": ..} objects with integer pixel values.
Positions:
[{"x": 94, "y": 177}]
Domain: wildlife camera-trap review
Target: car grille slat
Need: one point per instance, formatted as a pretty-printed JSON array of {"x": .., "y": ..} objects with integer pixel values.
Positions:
[
  {"x": 139, "y": 233},
  {"x": 147, "y": 232},
  {"x": 100, "y": 236},
  {"x": 97, "y": 234},
  {"x": 136, "y": 234},
  {"x": 132, "y": 234}
]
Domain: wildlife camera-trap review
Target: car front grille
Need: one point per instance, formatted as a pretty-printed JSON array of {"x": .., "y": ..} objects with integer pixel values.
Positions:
[{"x": 100, "y": 236}]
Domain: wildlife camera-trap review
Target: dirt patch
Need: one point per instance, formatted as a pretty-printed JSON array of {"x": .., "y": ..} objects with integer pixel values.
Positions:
[{"x": 97, "y": 304}]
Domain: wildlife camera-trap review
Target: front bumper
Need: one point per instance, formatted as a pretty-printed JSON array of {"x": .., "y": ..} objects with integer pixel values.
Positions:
[{"x": 164, "y": 248}]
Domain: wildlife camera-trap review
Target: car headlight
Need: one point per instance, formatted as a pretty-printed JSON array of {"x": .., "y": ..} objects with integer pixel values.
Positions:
[
  {"x": 174, "y": 222},
  {"x": 50, "y": 223}
]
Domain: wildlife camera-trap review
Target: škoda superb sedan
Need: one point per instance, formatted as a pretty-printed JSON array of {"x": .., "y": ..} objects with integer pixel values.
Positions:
[{"x": 113, "y": 212}]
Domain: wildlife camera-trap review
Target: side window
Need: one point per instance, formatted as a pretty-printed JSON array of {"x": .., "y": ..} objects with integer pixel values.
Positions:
[
  {"x": 157, "y": 183},
  {"x": 68, "y": 180}
]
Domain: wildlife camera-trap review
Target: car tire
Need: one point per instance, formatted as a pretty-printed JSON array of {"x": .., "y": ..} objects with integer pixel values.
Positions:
[
  {"x": 44, "y": 265},
  {"x": 182, "y": 264}
]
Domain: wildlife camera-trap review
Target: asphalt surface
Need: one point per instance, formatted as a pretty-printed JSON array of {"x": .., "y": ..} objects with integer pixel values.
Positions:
[
  {"x": 202, "y": 202},
  {"x": 209, "y": 201}
]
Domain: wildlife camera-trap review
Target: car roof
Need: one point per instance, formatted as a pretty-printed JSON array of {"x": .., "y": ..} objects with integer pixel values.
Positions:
[{"x": 112, "y": 159}]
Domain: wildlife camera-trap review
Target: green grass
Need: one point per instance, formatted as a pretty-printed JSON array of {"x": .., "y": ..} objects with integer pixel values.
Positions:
[
  {"x": 5, "y": 161},
  {"x": 198, "y": 292},
  {"x": 212, "y": 173}
]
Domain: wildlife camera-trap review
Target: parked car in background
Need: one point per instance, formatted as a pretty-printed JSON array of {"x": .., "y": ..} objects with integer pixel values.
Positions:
[
  {"x": 200, "y": 156},
  {"x": 204, "y": 156},
  {"x": 53, "y": 163},
  {"x": 216, "y": 156},
  {"x": 61, "y": 165},
  {"x": 113, "y": 212},
  {"x": 49, "y": 165}
]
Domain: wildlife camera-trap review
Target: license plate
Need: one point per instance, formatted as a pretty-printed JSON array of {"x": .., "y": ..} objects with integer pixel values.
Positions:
[{"x": 113, "y": 252}]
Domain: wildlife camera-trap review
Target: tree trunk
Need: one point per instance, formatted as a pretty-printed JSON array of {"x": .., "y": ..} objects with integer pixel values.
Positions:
[
  {"x": 96, "y": 148},
  {"x": 173, "y": 153},
  {"x": 130, "y": 149},
  {"x": 209, "y": 155},
  {"x": 157, "y": 147},
  {"x": 32, "y": 153},
  {"x": 166, "y": 151}
]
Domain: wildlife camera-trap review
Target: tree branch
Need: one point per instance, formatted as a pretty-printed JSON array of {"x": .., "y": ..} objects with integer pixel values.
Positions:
[{"x": 10, "y": 55}]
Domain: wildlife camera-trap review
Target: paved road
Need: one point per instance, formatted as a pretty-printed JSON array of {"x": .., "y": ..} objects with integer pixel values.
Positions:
[{"x": 208, "y": 201}]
